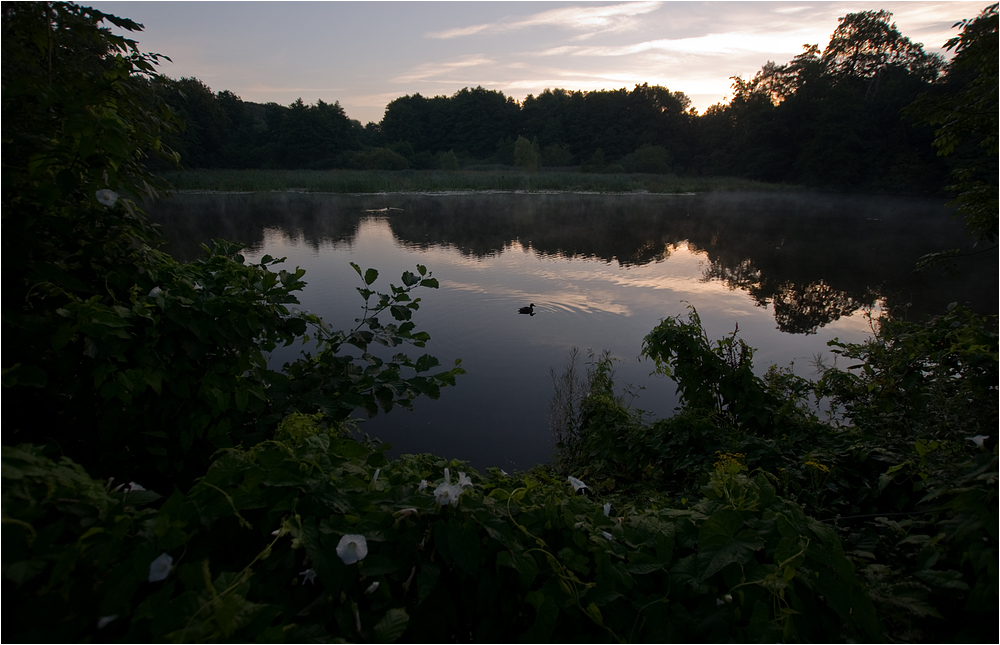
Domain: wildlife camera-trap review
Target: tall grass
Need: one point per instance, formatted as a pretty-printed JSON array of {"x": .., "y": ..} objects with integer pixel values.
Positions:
[{"x": 383, "y": 181}]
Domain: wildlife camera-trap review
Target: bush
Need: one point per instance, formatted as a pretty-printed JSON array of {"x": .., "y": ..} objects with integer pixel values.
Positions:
[
  {"x": 379, "y": 159},
  {"x": 904, "y": 470},
  {"x": 649, "y": 159}
]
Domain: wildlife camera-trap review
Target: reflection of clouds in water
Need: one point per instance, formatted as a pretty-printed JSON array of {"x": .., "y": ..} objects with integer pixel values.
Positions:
[
  {"x": 554, "y": 301},
  {"x": 589, "y": 285}
]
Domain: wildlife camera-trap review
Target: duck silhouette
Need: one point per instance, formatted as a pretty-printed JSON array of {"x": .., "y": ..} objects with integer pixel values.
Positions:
[{"x": 530, "y": 310}]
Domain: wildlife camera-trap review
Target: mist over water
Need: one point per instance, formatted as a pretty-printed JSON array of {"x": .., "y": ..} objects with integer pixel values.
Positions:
[{"x": 792, "y": 271}]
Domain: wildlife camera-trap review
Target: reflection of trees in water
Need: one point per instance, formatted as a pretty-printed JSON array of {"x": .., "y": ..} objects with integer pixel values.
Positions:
[
  {"x": 194, "y": 219},
  {"x": 801, "y": 310},
  {"x": 798, "y": 308},
  {"x": 621, "y": 229},
  {"x": 813, "y": 258}
]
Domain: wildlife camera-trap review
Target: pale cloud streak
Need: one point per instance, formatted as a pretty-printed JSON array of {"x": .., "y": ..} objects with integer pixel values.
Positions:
[
  {"x": 436, "y": 69},
  {"x": 726, "y": 43},
  {"x": 578, "y": 18}
]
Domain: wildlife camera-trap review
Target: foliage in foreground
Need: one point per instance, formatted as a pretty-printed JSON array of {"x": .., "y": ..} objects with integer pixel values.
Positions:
[
  {"x": 904, "y": 468},
  {"x": 747, "y": 522},
  {"x": 254, "y": 552}
]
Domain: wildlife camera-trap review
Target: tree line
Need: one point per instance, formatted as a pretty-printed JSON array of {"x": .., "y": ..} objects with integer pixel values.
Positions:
[{"x": 854, "y": 115}]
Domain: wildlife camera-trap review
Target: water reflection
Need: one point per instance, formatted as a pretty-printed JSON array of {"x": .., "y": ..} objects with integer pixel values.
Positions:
[
  {"x": 602, "y": 271},
  {"x": 813, "y": 258}
]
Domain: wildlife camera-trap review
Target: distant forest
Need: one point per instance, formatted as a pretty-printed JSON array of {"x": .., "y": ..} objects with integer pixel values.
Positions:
[{"x": 857, "y": 115}]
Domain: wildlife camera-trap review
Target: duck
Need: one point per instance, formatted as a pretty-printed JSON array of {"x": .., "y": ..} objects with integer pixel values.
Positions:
[{"x": 530, "y": 310}]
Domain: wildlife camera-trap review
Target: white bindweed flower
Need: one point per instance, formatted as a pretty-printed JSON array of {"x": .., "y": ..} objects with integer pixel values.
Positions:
[
  {"x": 608, "y": 536},
  {"x": 160, "y": 568},
  {"x": 155, "y": 292},
  {"x": 463, "y": 481},
  {"x": 134, "y": 486},
  {"x": 310, "y": 576},
  {"x": 372, "y": 587},
  {"x": 352, "y": 548},
  {"x": 106, "y": 197},
  {"x": 577, "y": 484},
  {"x": 404, "y": 512},
  {"x": 423, "y": 485},
  {"x": 979, "y": 439},
  {"x": 375, "y": 476},
  {"x": 607, "y": 510},
  {"x": 103, "y": 621},
  {"x": 447, "y": 493}
]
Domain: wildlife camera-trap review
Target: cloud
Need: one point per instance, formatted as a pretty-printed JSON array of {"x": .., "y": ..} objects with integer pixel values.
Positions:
[
  {"x": 577, "y": 18},
  {"x": 589, "y": 18},
  {"x": 726, "y": 43},
  {"x": 459, "y": 32},
  {"x": 427, "y": 71}
]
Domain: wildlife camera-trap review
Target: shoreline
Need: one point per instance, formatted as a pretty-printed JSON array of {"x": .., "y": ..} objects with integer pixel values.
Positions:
[{"x": 433, "y": 182}]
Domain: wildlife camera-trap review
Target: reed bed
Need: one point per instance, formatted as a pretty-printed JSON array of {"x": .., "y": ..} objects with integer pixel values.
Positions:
[{"x": 405, "y": 181}]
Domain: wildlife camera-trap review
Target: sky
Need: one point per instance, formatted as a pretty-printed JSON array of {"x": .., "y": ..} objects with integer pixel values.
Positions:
[{"x": 365, "y": 54}]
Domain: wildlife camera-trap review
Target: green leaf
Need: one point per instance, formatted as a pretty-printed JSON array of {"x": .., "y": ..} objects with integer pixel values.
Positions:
[
  {"x": 392, "y": 625},
  {"x": 242, "y": 397},
  {"x": 28, "y": 375},
  {"x": 409, "y": 279},
  {"x": 721, "y": 540}
]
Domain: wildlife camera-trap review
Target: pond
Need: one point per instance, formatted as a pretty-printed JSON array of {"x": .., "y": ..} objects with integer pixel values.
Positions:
[{"x": 791, "y": 271}]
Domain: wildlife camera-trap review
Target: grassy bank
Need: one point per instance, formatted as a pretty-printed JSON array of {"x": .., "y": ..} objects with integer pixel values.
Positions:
[{"x": 362, "y": 181}]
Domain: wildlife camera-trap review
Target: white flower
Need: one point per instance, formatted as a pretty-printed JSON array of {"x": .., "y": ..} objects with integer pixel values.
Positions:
[
  {"x": 463, "y": 481},
  {"x": 979, "y": 439},
  {"x": 106, "y": 197},
  {"x": 372, "y": 587},
  {"x": 423, "y": 485},
  {"x": 404, "y": 512},
  {"x": 375, "y": 476},
  {"x": 352, "y": 548},
  {"x": 608, "y": 536},
  {"x": 577, "y": 484},
  {"x": 159, "y": 568},
  {"x": 503, "y": 472},
  {"x": 103, "y": 621},
  {"x": 155, "y": 292},
  {"x": 607, "y": 510},
  {"x": 134, "y": 486},
  {"x": 310, "y": 576},
  {"x": 447, "y": 493}
]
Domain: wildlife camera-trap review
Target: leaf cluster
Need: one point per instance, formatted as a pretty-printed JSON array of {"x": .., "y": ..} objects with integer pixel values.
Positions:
[
  {"x": 254, "y": 555},
  {"x": 903, "y": 468}
]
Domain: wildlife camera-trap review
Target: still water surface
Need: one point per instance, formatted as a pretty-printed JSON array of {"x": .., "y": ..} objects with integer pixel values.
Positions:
[{"x": 792, "y": 271}]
